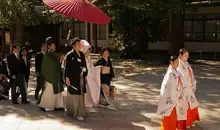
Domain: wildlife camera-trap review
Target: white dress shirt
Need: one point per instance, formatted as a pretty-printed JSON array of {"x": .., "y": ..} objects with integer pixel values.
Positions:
[{"x": 25, "y": 60}]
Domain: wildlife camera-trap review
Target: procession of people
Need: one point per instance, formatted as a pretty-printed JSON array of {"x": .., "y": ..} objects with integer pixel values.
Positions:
[{"x": 89, "y": 84}]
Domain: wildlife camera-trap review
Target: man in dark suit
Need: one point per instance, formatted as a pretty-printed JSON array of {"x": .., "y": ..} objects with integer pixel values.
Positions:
[
  {"x": 28, "y": 49},
  {"x": 16, "y": 70},
  {"x": 38, "y": 64},
  {"x": 26, "y": 63}
]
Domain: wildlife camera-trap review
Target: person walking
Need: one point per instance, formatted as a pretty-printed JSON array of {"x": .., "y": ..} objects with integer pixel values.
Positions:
[
  {"x": 38, "y": 64},
  {"x": 16, "y": 69},
  {"x": 93, "y": 83},
  {"x": 186, "y": 70},
  {"x": 51, "y": 97},
  {"x": 26, "y": 64},
  {"x": 107, "y": 75},
  {"x": 75, "y": 73},
  {"x": 28, "y": 49},
  {"x": 26, "y": 70},
  {"x": 172, "y": 104}
]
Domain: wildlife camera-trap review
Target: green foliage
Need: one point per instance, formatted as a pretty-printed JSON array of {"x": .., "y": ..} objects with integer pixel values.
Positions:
[
  {"x": 24, "y": 13},
  {"x": 136, "y": 21},
  {"x": 13, "y": 11}
]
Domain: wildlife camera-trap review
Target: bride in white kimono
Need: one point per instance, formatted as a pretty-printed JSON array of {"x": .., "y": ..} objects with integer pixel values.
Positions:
[
  {"x": 172, "y": 103},
  {"x": 93, "y": 78}
]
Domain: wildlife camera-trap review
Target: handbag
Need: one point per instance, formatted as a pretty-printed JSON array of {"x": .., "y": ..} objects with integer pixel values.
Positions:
[{"x": 113, "y": 91}]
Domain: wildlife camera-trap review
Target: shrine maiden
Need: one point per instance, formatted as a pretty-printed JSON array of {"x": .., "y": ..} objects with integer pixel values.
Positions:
[
  {"x": 185, "y": 69},
  {"x": 172, "y": 103}
]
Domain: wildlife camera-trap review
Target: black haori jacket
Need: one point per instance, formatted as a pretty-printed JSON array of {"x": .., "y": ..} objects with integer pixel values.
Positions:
[{"x": 73, "y": 70}]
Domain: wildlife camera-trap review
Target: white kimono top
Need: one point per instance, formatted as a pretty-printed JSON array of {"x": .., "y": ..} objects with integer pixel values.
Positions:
[
  {"x": 172, "y": 95},
  {"x": 93, "y": 78},
  {"x": 93, "y": 82},
  {"x": 189, "y": 80}
]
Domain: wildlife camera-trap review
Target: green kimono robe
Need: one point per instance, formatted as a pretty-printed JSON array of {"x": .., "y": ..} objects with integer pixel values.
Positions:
[{"x": 51, "y": 72}]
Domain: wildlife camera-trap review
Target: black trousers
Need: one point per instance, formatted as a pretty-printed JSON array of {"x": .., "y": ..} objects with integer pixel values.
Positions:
[
  {"x": 38, "y": 87},
  {"x": 18, "y": 81}
]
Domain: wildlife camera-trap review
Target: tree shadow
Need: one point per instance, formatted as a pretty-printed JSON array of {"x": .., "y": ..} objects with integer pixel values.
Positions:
[{"x": 144, "y": 88}]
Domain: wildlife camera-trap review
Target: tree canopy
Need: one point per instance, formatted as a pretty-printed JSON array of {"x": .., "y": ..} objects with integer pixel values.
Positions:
[
  {"x": 24, "y": 13},
  {"x": 135, "y": 22}
]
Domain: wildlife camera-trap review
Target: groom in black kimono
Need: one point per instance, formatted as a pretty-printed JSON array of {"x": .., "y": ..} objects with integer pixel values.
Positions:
[{"x": 75, "y": 73}]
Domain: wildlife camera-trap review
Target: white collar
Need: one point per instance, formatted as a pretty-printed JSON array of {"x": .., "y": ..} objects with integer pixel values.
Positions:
[{"x": 15, "y": 54}]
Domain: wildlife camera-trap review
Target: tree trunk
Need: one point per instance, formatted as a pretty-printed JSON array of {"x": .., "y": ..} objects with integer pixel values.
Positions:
[
  {"x": 19, "y": 35},
  {"x": 176, "y": 33},
  {"x": 144, "y": 43},
  {"x": 12, "y": 36}
]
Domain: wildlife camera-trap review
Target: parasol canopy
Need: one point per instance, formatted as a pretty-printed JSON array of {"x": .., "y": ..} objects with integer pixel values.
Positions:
[{"x": 81, "y": 10}]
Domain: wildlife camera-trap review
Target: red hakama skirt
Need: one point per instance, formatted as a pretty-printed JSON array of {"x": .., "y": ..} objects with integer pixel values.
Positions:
[
  {"x": 171, "y": 123},
  {"x": 192, "y": 115}
]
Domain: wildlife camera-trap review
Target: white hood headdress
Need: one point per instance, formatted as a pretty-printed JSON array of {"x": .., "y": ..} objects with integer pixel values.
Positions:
[{"x": 85, "y": 46}]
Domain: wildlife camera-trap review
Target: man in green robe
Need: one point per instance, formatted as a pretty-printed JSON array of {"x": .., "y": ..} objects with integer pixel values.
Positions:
[{"x": 52, "y": 82}]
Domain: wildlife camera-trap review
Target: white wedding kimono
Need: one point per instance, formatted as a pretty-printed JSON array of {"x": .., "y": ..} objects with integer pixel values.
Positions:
[
  {"x": 172, "y": 95},
  {"x": 189, "y": 80},
  {"x": 93, "y": 84}
]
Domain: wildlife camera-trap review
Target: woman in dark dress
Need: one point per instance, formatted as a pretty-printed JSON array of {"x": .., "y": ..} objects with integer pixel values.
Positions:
[{"x": 107, "y": 74}]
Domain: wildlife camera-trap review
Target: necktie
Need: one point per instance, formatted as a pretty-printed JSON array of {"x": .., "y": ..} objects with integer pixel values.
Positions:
[
  {"x": 25, "y": 60},
  {"x": 18, "y": 57}
]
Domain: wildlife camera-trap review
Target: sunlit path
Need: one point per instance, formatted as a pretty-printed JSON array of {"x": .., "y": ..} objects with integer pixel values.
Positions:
[{"x": 137, "y": 96}]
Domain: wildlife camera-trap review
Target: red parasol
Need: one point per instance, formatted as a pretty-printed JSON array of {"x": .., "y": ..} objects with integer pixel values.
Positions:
[{"x": 81, "y": 10}]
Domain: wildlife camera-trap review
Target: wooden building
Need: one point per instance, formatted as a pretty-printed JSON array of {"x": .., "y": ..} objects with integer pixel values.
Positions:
[{"x": 201, "y": 29}]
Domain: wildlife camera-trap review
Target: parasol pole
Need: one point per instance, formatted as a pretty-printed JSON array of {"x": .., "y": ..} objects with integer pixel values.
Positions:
[
  {"x": 95, "y": 33},
  {"x": 95, "y": 37},
  {"x": 67, "y": 38}
]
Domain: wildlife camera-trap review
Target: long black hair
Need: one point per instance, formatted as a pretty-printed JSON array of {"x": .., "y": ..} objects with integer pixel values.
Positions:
[
  {"x": 103, "y": 50},
  {"x": 182, "y": 51},
  {"x": 173, "y": 58}
]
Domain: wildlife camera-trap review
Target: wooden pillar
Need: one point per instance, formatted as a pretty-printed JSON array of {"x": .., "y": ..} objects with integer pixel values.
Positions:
[
  {"x": 19, "y": 33},
  {"x": 176, "y": 32}
]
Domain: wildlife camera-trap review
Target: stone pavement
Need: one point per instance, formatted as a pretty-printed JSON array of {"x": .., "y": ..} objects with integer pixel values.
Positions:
[{"x": 134, "y": 109}]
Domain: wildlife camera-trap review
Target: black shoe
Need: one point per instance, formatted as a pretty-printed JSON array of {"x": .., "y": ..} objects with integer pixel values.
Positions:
[
  {"x": 18, "y": 95},
  {"x": 36, "y": 96},
  {"x": 25, "y": 102},
  {"x": 14, "y": 102},
  {"x": 41, "y": 108},
  {"x": 59, "y": 109}
]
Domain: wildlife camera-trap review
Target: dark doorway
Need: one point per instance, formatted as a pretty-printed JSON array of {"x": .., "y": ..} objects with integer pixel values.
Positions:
[{"x": 1, "y": 43}]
